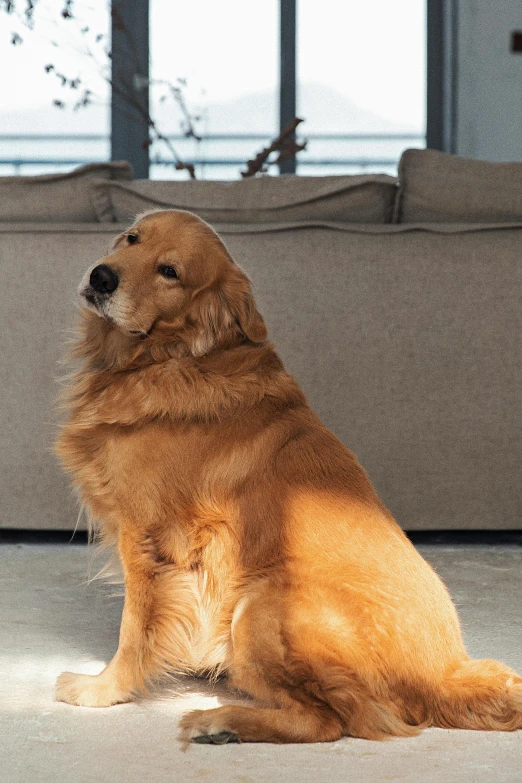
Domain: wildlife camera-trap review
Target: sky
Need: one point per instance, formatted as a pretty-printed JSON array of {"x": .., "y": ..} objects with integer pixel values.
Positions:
[
  {"x": 372, "y": 52},
  {"x": 25, "y": 83}
]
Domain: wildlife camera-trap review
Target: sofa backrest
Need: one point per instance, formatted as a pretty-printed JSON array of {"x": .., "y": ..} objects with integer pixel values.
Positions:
[
  {"x": 406, "y": 338},
  {"x": 406, "y": 341}
]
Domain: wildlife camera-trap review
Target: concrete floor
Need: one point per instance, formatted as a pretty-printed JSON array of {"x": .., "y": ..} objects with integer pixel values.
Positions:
[{"x": 51, "y": 621}]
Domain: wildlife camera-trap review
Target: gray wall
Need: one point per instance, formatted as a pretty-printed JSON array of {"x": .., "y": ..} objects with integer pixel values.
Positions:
[{"x": 488, "y": 80}]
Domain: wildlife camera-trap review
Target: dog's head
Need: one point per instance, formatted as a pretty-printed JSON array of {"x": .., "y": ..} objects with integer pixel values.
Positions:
[{"x": 170, "y": 276}]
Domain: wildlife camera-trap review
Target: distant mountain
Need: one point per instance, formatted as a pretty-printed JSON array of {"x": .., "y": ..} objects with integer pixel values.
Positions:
[
  {"x": 324, "y": 109},
  {"x": 328, "y": 111}
]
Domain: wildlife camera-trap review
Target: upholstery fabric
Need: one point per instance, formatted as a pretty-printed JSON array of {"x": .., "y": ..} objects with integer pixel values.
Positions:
[
  {"x": 56, "y": 197},
  {"x": 354, "y": 199},
  {"x": 441, "y": 188}
]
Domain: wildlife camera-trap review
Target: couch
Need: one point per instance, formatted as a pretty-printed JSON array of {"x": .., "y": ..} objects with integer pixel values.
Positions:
[{"x": 395, "y": 302}]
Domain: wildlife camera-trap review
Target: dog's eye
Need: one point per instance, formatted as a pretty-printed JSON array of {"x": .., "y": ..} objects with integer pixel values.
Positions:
[
  {"x": 168, "y": 271},
  {"x": 132, "y": 239}
]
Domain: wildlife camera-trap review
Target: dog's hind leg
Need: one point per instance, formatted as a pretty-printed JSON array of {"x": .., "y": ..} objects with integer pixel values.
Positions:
[
  {"x": 257, "y": 668},
  {"x": 292, "y": 723},
  {"x": 298, "y": 700},
  {"x": 320, "y": 712}
]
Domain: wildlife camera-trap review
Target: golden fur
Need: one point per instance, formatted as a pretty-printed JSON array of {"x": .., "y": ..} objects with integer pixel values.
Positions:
[{"x": 251, "y": 540}]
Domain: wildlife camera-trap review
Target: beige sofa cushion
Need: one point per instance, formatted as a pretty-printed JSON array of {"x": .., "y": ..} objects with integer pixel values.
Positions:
[
  {"x": 355, "y": 199},
  {"x": 440, "y": 188},
  {"x": 57, "y": 197},
  {"x": 405, "y": 340}
]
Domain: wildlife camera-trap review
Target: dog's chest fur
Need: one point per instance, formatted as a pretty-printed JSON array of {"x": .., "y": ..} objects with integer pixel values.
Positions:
[
  {"x": 194, "y": 629},
  {"x": 198, "y": 588}
]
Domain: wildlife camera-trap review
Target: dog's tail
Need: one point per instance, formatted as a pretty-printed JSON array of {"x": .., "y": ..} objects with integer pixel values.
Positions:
[{"x": 484, "y": 695}]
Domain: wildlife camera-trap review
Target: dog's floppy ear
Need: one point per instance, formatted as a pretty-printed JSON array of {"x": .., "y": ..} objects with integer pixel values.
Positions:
[
  {"x": 227, "y": 306},
  {"x": 236, "y": 294}
]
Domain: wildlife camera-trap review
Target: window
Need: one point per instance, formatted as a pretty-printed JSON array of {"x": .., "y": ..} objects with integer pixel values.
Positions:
[
  {"x": 37, "y": 134},
  {"x": 214, "y": 84},
  {"x": 361, "y": 83},
  {"x": 227, "y": 54}
]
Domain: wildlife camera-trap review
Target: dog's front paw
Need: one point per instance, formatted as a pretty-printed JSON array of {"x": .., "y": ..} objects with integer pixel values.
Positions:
[{"x": 86, "y": 690}]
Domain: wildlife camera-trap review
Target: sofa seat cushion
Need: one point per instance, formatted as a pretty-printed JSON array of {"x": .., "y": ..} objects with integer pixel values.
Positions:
[
  {"x": 440, "y": 188},
  {"x": 355, "y": 199},
  {"x": 57, "y": 197}
]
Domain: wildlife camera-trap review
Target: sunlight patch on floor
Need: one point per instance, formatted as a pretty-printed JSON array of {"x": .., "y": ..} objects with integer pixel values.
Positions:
[{"x": 27, "y": 684}]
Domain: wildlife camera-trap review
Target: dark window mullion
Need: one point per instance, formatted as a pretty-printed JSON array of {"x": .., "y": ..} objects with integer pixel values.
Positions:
[
  {"x": 441, "y": 74},
  {"x": 130, "y": 91},
  {"x": 287, "y": 72}
]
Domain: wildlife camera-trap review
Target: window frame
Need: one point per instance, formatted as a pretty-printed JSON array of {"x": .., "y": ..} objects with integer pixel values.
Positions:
[{"x": 129, "y": 128}]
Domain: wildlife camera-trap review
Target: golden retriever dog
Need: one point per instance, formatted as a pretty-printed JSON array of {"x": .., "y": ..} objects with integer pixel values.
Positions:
[{"x": 252, "y": 542}]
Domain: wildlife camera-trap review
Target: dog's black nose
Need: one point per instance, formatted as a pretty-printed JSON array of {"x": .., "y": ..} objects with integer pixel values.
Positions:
[{"x": 103, "y": 279}]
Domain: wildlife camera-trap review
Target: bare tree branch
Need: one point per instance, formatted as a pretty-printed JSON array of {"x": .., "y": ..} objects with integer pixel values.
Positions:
[
  {"x": 285, "y": 144},
  {"x": 189, "y": 120}
]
